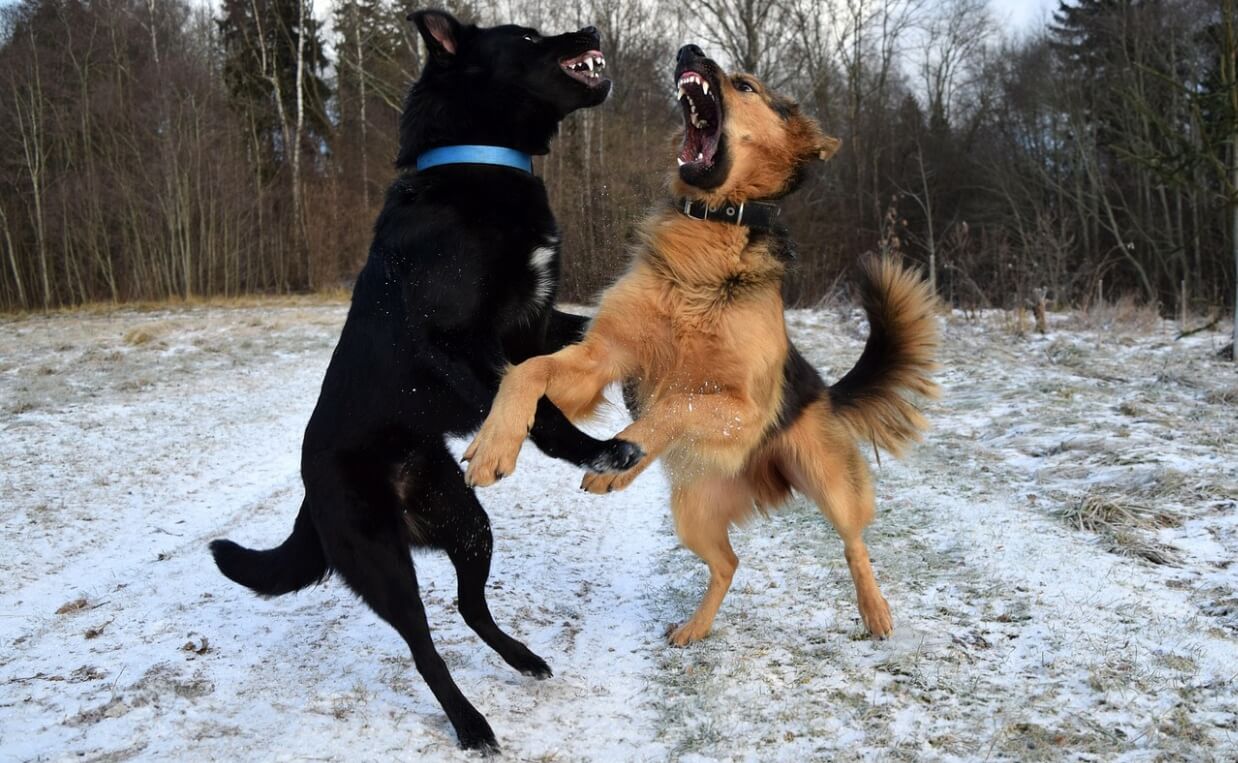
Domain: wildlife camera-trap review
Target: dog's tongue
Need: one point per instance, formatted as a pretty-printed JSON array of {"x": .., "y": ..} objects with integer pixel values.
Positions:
[
  {"x": 699, "y": 144},
  {"x": 701, "y": 120}
]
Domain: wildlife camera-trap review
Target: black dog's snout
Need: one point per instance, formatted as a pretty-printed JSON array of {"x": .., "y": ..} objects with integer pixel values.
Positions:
[
  {"x": 592, "y": 31},
  {"x": 689, "y": 52}
]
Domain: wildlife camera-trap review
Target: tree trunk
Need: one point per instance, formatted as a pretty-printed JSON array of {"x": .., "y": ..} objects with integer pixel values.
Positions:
[
  {"x": 297, "y": 202},
  {"x": 365, "y": 156},
  {"x": 1229, "y": 69},
  {"x": 1233, "y": 216},
  {"x": 8, "y": 240},
  {"x": 928, "y": 217}
]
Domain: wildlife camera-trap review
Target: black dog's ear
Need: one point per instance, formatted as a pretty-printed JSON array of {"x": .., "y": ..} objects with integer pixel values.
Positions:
[{"x": 440, "y": 30}]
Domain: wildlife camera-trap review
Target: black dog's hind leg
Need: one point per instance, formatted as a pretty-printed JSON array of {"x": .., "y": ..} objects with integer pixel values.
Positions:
[
  {"x": 446, "y": 514},
  {"x": 366, "y": 544}
]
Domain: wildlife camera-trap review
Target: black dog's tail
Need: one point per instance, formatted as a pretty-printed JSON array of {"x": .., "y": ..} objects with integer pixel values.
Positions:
[{"x": 290, "y": 566}]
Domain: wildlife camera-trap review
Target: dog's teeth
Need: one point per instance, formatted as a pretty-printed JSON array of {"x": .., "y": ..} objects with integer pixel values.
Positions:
[
  {"x": 680, "y": 160},
  {"x": 699, "y": 157},
  {"x": 682, "y": 94},
  {"x": 705, "y": 87}
]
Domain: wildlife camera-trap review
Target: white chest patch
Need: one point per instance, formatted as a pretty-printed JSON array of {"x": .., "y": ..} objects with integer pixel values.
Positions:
[{"x": 539, "y": 261}]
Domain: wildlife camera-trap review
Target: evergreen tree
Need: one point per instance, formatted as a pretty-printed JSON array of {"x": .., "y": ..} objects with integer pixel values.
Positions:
[{"x": 260, "y": 40}]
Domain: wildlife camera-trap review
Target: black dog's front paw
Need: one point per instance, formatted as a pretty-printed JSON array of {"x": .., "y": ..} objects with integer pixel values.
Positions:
[
  {"x": 520, "y": 658},
  {"x": 475, "y": 734},
  {"x": 537, "y": 668},
  {"x": 616, "y": 456}
]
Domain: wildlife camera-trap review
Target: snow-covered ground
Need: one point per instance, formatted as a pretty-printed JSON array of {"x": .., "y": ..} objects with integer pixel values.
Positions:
[{"x": 1059, "y": 557}]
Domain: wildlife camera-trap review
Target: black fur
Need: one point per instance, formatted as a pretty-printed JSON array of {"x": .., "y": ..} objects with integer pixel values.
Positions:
[
  {"x": 802, "y": 385},
  {"x": 448, "y": 297},
  {"x": 879, "y": 358}
]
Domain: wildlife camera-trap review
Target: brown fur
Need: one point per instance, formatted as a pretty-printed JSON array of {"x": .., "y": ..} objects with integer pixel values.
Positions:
[{"x": 696, "y": 327}]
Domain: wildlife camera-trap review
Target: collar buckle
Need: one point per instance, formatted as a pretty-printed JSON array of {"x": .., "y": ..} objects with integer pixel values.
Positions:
[{"x": 758, "y": 215}]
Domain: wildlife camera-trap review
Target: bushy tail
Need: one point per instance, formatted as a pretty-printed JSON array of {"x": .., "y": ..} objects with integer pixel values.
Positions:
[
  {"x": 291, "y": 566},
  {"x": 897, "y": 359}
]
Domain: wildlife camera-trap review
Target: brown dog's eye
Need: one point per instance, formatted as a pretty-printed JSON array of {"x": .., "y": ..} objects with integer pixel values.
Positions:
[{"x": 744, "y": 87}]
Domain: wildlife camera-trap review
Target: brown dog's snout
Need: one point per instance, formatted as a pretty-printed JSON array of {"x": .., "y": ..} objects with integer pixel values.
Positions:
[{"x": 689, "y": 53}]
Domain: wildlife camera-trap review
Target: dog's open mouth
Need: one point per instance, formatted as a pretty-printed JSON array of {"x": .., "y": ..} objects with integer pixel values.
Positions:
[
  {"x": 586, "y": 67},
  {"x": 702, "y": 120}
]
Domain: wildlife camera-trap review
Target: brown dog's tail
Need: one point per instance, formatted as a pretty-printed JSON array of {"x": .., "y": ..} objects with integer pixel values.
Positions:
[{"x": 897, "y": 359}]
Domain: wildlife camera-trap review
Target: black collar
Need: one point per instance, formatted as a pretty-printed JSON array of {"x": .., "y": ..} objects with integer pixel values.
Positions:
[{"x": 758, "y": 215}]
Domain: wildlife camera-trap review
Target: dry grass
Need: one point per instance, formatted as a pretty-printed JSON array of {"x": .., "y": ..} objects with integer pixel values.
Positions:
[
  {"x": 324, "y": 297},
  {"x": 1227, "y": 396},
  {"x": 1098, "y": 512},
  {"x": 141, "y": 335},
  {"x": 1127, "y": 316},
  {"x": 1064, "y": 353},
  {"x": 1123, "y": 524}
]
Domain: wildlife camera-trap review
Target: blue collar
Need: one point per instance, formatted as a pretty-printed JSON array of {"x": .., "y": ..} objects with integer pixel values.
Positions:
[{"x": 503, "y": 157}]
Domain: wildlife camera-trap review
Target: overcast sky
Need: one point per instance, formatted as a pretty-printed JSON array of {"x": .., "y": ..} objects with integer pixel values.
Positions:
[
  {"x": 1022, "y": 15},
  {"x": 1016, "y": 15}
]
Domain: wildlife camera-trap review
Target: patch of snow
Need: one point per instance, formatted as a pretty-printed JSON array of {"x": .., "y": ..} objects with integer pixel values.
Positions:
[{"x": 131, "y": 439}]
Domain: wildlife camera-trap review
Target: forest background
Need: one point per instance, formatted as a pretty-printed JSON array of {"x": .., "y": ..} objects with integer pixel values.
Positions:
[{"x": 164, "y": 149}]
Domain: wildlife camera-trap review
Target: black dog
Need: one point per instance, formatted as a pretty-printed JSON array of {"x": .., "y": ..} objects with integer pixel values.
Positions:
[{"x": 460, "y": 281}]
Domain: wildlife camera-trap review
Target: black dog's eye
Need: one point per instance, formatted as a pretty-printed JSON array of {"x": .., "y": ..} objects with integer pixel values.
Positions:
[
  {"x": 744, "y": 87},
  {"x": 530, "y": 38}
]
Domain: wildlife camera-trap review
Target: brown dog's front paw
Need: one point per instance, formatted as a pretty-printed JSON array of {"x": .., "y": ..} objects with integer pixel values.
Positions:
[
  {"x": 611, "y": 482},
  {"x": 598, "y": 484},
  {"x": 876, "y": 614},
  {"x": 601, "y": 484},
  {"x": 687, "y": 633},
  {"x": 490, "y": 458}
]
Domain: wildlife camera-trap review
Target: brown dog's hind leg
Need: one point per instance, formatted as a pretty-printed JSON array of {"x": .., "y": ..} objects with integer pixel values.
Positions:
[
  {"x": 823, "y": 462},
  {"x": 703, "y": 512}
]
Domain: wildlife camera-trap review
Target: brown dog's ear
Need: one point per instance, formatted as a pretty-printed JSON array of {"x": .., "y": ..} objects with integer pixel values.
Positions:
[
  {"x": 828, "y": 146},
  {"x": 809, "y": 142}
]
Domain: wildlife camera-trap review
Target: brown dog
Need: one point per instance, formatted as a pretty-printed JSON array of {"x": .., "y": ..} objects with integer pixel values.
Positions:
[{"x": 695, "y": 329}]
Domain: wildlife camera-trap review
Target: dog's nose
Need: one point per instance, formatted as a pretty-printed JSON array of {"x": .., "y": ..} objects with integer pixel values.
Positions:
[
  {"x": 592, "y": 31},
  {"x": 689, "y": 52}
]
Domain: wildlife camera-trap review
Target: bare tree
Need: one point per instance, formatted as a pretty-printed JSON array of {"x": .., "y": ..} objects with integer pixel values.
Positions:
[
  {"x": 751, "y": 34},
  {"x": 955, "y": 35}
]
